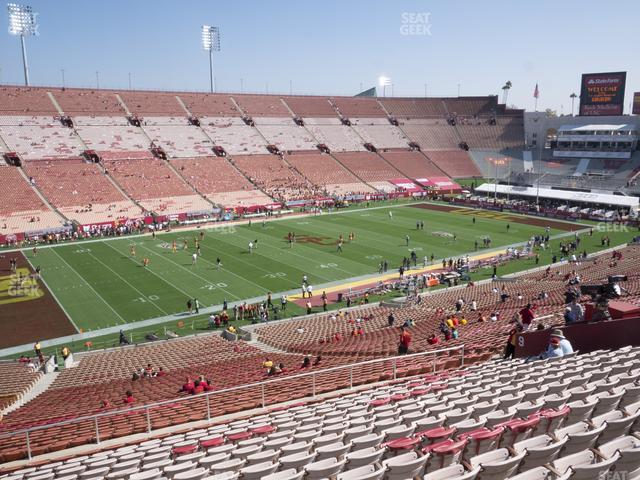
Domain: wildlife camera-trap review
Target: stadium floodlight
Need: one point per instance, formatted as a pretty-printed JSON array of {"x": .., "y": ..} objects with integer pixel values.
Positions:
[
  {"x": 384, "y": 81},
  {"x": 22, "y": 22},
  {"x": 211, "y": 43}
]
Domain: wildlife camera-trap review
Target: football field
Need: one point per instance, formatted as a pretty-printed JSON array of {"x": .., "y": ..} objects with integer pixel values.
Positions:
[{"x": 101, "y": 284}]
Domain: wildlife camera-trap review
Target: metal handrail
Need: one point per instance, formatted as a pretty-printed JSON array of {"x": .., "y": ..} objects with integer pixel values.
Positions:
[{"x": 262, "y": 384}]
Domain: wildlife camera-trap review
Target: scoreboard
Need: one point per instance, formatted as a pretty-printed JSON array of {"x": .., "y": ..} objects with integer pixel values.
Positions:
[
  {"x": 602, "y": 93},
  {"x": 636, "y": 103}
]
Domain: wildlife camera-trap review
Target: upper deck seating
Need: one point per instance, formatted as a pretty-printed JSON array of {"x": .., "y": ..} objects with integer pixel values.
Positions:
[
  {"x": 209, "y": 104},
  {"x": 262, "y": 105},
  {"x": 159, "y": 104},
  {"x": 90, "y": 103},
  {"x": 403, "y": 108},
  {"x": 233, "y": 135},
  {"x": 331, "y": 132},
  {"x": 285, "y": 134},
  {"x": 39, "y": 137},
  {"x": 29, "y": 101},
  {"x": 380, "y": 133}
]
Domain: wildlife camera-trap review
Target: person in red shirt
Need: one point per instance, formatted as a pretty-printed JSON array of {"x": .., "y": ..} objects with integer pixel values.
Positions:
[
  {"x": 197, "y": 387},
  {"x": 188, "y": 386},
  {"x": 161, "y": 372},
  {"x": 405, "y": 341},
  {"x": 527, "y": 316},
  {"x": 128, "y": 399},
  {"x": 337, "y": 337},
  {"x": 433, "y": 340}
]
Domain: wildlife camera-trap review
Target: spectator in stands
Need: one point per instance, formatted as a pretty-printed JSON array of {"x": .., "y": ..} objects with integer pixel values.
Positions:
[
  {"x": 65, "y": 352},
  {"x": 577, "y": 310},
  {"x": 433, "y": 339},
  {"x": 565, "y": 345},
  {"x": 510, "y": 348},
  {"x": 135, "y": 376},
  {"x": 568, "y": 316},
  {"x": 198, "y": 387},
  {"x": 526, "y": 316},
  {"x": 306, "y": 362},
  {"x": 128, "y": 398},
  {"x": 37, "y": 348},
  {"x": 161, "y": 372},
  {"x": 317, "y": 360},
  {"x": 391, "y": 319},
  {"x": 188, "y": 386},
  {"x": 405, "y": 341},
  {"x": 267, "y": 364},
  {"x": 455, "y": 333}
]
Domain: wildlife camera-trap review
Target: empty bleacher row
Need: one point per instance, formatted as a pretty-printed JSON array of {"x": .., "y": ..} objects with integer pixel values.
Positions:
[
  {"x": 325, "y": 172},
  {"x": 21, "y": 209},
  {"x": 80, "y": 190},
  {"x": 576, "y": 417},
  {"x": 16, "y": 379},
  {"x": 216, "y": 179},
  {"x": 153, "y": 184}
]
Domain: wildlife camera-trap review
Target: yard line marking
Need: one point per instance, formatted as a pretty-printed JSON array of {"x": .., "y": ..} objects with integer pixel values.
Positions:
[
  {"x": 192, "y": 273},
  {"x": 128, "y": 283},
  {"x": 154, "y": 273},
  {"x": 236, "y": 257},
  {"x": 40, "y": 277},
  {"x": 281, "y": 251},
  {"x": 88, "y": 285},
  {"x": 244, "y": 279}
]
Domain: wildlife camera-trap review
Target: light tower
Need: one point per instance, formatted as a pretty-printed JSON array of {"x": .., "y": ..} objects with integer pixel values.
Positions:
[
  {"x": 22, "y": 22},
  {"x": 211, "y": 43}
]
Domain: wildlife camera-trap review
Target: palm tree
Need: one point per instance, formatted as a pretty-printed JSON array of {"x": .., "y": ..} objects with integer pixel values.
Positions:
[
  {"x": 573, "y": 97},
  {"x": 505, "y": 91}
]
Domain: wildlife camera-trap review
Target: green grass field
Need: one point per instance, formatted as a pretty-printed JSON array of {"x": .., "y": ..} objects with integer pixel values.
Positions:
[{"x": 100, "y": 284}]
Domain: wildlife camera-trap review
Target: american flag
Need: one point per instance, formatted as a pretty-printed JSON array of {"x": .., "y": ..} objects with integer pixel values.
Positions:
[{"x": 536, "y": 92}]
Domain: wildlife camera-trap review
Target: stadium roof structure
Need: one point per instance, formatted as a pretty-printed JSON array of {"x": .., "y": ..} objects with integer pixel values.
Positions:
[
  {"x": 566, "y": 195},
  {"x": 625, "y": 127}
]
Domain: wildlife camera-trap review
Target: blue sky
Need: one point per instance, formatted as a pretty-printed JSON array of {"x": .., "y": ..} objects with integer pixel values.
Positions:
[{"x": 333, "y": 46}]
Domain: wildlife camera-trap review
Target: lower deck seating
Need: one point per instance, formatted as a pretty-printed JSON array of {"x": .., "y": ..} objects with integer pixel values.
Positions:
[
  {"x": 412, "y": 164},
  {"x": 21, "y": 210},
  {"x": 274, "y": 176},
  {"x": 155, "y": 186},
  {"x": 455, "y": 163},
  {"x": 220, "y": 182},
  {"x": 574, "y": 417},
  {"x": 81, "y": 191},
  {"x": 324, "y": 171},
  {"x": 16, "y": 379},
  {"x": 370, "y": 167}
]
